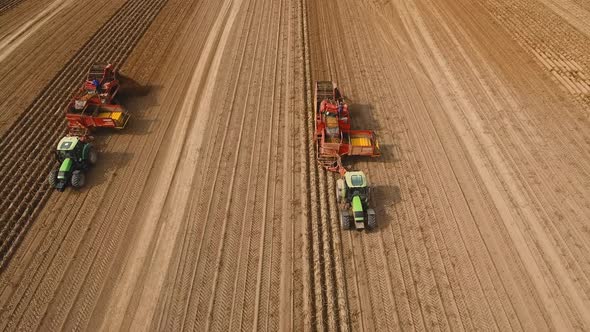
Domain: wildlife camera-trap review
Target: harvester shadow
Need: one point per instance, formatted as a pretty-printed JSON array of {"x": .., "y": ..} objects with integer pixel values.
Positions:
[
  {"x": 106, "y": 168},
  {"x": 135, "y": 96},
  {"x": 363, "y": 117},
  {"x": 383, "y": 199}
]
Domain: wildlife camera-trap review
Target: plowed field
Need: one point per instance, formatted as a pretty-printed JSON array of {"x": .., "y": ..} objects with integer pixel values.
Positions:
[{"x": 209, "y": 212}]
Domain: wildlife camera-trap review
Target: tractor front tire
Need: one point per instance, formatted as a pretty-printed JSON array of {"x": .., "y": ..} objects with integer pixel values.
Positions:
[
  {"x": 92, "y": 157},
  {"x": 78, "y": 179},
  {"x": 52, "y": 178},
  {"x": 345, "y": 221},
  {"x": 371, "y": 219}
]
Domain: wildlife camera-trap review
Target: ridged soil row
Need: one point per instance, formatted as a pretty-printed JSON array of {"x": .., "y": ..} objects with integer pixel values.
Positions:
[
  {"x": 306, "y": 162},
  {"x": 42, "y": 124},
  {"x": 244, "y": 102},
  {"x": 550, "y": 173},
  {"x": 331, "y": 305},
  {"x": 552, "y": 161},
  {"x": 469, "y": 83},
  {"x": 7, "y": 5},
  {"x": 555, "y": 42},
  {"x": 543, "y": 42},
  {"x": 514, "y": 131},
  {"x": 174, "y": 309},
  {"x": 369, "y": 250}
]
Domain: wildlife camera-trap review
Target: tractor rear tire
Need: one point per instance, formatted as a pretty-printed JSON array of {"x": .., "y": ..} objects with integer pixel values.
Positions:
[
  {"x": 371, "y": 219},
  {"x": 345, "y": 220},
  {"x": 92, "y": 157},
  {"x": 52, "y": 178},
  {"x": 78, "y": 179}
]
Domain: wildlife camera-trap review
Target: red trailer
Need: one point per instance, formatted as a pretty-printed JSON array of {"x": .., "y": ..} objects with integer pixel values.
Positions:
[
  {"x": 101, "y": 85},
  {"x": 92, "y": 116},
  {"x": 334, "y": 136},
  {"x": 93, "y": 104}
]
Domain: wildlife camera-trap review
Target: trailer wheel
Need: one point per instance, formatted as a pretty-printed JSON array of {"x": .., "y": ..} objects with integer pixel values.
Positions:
[
  {"x": 371, "y": 219},
  {"x": 52, "y": 178},
  {"x": 345, "y": 220},
  {"x": 78, "y": 179}
]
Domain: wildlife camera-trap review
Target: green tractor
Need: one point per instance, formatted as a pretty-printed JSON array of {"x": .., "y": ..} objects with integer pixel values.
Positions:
[
  {"x": 74, "y": 157},
  {"x": 352, "y": 194}
]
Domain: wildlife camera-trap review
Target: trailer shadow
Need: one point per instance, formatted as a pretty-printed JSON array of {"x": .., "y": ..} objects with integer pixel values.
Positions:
[
  {"x": 106, "y": 168},
  {"x": 135, "y": 96},
  {"x": 383, "y": 199},
  {"x": 363, "y": 117}
]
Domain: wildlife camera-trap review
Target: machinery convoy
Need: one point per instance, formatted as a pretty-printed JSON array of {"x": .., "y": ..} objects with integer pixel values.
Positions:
[
  {"x": 92, "y": 106},
  {"x": 335, "y": 139}
]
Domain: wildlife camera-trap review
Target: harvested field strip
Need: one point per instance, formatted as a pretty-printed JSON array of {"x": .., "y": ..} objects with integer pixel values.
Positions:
[{"x": 25, "y": 194}]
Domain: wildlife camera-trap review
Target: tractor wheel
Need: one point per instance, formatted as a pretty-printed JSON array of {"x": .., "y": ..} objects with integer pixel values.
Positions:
[
  {"x": 52, "y": 178},
  {"x": 371, "y": 219},
  {"x": 340, "y": 190},
  {"x": 345, "y": 220},
  {"x": 78, "y": 179},
  {"x": 92, "y": 156}
]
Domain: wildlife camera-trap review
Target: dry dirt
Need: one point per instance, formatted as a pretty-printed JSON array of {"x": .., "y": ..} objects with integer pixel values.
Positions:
[{"x": 209, "y": 212}]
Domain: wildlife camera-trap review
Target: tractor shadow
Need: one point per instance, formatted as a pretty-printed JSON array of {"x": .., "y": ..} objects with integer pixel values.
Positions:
[
  {"x": 389, "y": 153},
  {"x": 383, "y": 200},
  {"x": 106, "y": 168}
]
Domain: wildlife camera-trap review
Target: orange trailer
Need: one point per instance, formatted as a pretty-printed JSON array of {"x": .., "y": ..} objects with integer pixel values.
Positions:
[
  {"x": 334, "y": 136},
  {"x": 93, "y": 104}
]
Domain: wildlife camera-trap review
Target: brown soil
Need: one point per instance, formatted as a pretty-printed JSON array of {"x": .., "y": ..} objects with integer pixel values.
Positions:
[{"x": 209, "y": 212}]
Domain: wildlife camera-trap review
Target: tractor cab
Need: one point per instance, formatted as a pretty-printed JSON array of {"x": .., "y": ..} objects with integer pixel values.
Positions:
[
  {"x": 68, "y": 147},
  {"x": 356, "y": 182}
]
